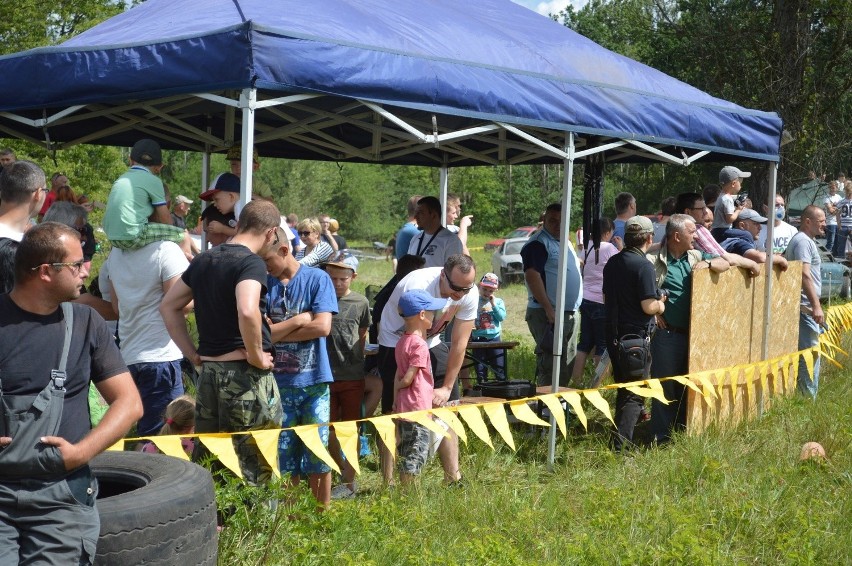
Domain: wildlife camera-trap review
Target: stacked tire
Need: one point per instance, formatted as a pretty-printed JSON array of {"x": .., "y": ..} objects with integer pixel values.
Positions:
[{"x": 154, "y": 509}]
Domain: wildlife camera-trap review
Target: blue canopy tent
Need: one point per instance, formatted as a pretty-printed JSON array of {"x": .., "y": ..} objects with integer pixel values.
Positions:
[{"x": 427, "y": 82}]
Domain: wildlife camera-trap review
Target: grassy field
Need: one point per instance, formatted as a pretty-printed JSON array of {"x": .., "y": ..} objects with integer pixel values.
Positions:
[
  {"x": 726, "y": 497},
  {"x": 737, "y": 496}
]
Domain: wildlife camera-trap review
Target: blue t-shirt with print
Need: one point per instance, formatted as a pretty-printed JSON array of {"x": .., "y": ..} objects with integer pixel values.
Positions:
[{"x": 300, "y": 364}]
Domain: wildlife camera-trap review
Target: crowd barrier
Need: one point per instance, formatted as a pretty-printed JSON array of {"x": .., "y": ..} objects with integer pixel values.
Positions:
[{"x": 722, "y": 396}]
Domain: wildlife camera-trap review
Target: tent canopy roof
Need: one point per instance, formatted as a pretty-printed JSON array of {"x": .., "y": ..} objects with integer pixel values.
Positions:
[{"x": 428, "y": 82}]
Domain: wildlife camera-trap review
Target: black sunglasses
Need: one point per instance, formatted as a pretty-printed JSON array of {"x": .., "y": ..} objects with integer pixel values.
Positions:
[{"x": 456, "y": 288}]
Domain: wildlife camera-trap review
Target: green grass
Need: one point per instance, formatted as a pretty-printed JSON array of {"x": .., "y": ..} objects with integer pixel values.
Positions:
[{"x": 739, "y": 496}]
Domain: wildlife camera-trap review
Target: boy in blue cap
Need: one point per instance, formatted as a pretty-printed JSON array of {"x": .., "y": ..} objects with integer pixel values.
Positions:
[{"x": 413, "y": 384}]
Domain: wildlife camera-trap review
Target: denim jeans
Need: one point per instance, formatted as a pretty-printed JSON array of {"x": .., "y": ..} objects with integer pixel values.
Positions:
[
  {"x": 809, "y": 332},
  {"x": 485, "y": 359},
  {"x": 830, "y": 236},
  {"x": 839, "y": 248},
  {"x": 158, "y": 384},
  {"x": 669, "y": 357}
]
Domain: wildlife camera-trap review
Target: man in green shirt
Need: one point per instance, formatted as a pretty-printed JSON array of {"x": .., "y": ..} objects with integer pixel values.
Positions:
[{"x": 673, "y": 265}]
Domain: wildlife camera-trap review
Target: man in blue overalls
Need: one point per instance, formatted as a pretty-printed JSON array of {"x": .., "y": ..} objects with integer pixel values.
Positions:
[{"x": 49, "y": 352}]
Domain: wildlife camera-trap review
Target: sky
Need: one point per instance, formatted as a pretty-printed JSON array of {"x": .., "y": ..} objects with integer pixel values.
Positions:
[{"x": 546, "y": 7}]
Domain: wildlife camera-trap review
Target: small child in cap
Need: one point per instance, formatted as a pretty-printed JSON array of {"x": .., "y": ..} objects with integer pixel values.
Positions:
[
  {"x": 413, "y": 385},
  {"x": 219, "y": 221},
  {"x": 487, "y": 327}
]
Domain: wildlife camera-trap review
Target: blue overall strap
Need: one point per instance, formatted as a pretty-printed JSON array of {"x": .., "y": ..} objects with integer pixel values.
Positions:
[{"x": 58, "y": 375}]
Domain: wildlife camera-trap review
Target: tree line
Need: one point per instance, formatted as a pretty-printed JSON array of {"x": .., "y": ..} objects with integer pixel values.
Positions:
[{"x": 792, "y": 57}]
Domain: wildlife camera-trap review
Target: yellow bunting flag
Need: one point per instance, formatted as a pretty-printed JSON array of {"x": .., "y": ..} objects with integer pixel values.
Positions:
[
  {"x": 648, "y": 392},
  {"x": 595, "y": 399},
  {"x": 832, "y": 360},
  {"x": 473, "y": 418},
  {"x": 386, "y": 429},
  {"x": 117, "y": 447},
  {"x": 723, "y": 378},
  {"x": 267, "y": 444},
  {"x": 497, "y": 415},
  {"x": 809, "y": 363},
  {"x": 347, "y": 436},
  {"x": 686, "y": 382},
  {"x": 452, "y": 421},
  {"x": 573, "y": 399},
  {"x": 310, "y": 436},
  {"x": 425, "y": 420},
  {"x": 706, "y": 385},
  {"x": 523, "y": 413},
  {"x": 169, "y": 445},
  {"x": 748, "y": 375},
  {"x": 552, "y": 402},
  {"x": 765, "y": 371},
  {"x": 221, "y": 445}
]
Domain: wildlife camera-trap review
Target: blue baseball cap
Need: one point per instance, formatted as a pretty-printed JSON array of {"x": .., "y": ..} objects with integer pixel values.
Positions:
[{"x": 416, "y": 300}]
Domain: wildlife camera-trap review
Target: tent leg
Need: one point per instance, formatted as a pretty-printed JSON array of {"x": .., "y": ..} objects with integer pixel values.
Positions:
[
  {"x": 561, "y": 284},
  {"x": 248, "y": 100},
  {"x": 205, "y": 184},
  {"x": 767, "y": 291},
  {"x": 445, "y": 183}
]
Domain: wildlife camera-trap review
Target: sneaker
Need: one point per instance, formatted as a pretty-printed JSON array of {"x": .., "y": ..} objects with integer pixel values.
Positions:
[{"x": 343, "y": 491}]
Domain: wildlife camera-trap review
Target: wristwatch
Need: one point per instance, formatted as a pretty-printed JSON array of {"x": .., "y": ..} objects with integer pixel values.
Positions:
[{"x": 709, "y": 263}]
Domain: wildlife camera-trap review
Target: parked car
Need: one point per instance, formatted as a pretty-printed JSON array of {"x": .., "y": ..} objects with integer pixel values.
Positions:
[
  {"x": 506, "y": 261},
  {"x": 835, "y": 275},
  {"x": 522, "y": 232}
]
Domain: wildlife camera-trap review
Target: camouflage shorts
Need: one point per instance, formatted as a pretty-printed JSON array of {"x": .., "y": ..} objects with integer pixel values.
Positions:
[
  {"x": 413, "y": 450},
  {"x": 235, "y": 397},
  {"x": 150, "y": 233}
]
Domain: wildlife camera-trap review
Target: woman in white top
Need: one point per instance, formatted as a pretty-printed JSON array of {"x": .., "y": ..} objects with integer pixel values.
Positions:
[
  {"x": 315, "y": 250},
  {"x": 592, "y": 313}
]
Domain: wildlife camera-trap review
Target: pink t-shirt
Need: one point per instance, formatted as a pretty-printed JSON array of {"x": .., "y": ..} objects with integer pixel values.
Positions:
[
  {"x": 593, "y": 272},
  {"x": 411, "y": 350}
]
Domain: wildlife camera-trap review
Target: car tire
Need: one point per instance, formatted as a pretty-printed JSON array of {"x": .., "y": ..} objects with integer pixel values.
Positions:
[
  {"x": 504, "y": 279},
  {"x": 154, "y": 509},
  {"x": 845, "y": 288}
]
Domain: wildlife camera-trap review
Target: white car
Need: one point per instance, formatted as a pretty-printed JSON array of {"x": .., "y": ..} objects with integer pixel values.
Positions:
[{"x": 506, "y": 261}]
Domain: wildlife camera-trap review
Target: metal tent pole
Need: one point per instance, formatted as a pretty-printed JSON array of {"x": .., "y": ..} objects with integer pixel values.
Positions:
[
  {"x": 561, "y": 284},
  {"x": 248, "y": 101},
  {"x": 767, "y": 290}
]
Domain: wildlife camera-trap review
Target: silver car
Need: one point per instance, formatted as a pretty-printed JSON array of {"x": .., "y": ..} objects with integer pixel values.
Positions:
[
  {"x": 835, "y": 275},
  {"x": 506, "y": 261}
]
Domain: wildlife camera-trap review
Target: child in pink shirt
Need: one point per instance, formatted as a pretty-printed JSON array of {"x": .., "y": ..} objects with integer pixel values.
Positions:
[{"x": 413, "y": 385}]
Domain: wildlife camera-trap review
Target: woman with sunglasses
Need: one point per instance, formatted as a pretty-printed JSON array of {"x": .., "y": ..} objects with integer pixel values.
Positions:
[{"x": 315, "y": 250}]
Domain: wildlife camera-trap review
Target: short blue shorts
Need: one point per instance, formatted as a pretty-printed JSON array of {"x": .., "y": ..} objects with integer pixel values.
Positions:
[{"x": 303, "y": 405}]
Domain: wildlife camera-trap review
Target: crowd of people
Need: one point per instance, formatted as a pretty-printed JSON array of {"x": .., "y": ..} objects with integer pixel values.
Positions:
[{"x": 282, "y": 338}]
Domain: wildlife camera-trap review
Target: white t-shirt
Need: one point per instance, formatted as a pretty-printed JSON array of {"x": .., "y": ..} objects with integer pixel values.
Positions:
[
  {"x": 831, "y": 219},
  {"x": 7, "y": 231},
  {"x": 392, "y": 324},
  {"x": 435, "y": 250},
  {"x": 781, "y": 236},
  {"x": 137, "y": 277}
]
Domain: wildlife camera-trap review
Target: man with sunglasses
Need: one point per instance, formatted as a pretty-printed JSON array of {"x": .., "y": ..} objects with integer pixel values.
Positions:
[
  {"x": 455, "y": 281},
  {"x": 540, "y": 257},
  {"x": 51, "y": 351},
  {"x": 236, "y": 389},
  {"x": 22, "y": 192}
]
